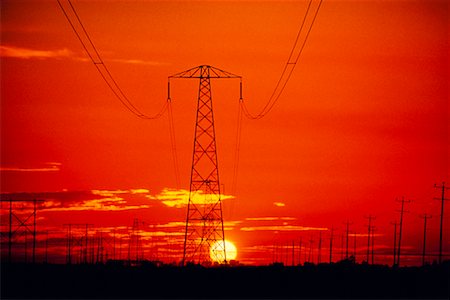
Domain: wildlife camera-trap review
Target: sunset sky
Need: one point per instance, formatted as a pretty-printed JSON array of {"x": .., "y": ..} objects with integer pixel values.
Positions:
[{"x": 363, "y": 121}]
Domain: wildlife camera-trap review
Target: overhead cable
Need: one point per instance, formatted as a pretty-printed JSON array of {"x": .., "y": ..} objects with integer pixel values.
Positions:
[
  {"x": 86, "y": 41},
  {"x": 288, "y": 68}
]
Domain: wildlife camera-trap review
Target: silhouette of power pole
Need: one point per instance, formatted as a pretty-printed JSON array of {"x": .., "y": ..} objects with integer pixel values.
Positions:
[
  {"x": 369, "y": 228},
  {"x": 311, "y": 241},
  {"x": 204, "y": 234},
  {"x": 293, "y": 253},
  {"x": 114, "y": 244},
  {"x": 442, "y": 199},
  {"x": 46, "y": 248},
  {"x": 77, "y": 240},
  {"x": 331, "y": 245},
  {"x": 354, "y": 246},
  {"x": 300, "y": 251},
  {"x": 135, "y": 242},
  {"x": 319, "y": 252},
  {"x": 273, "y": 253},
  {"x": 424, "y": 217},
  {"x": 403, "y": 201},
  {"x": 286, "y": 252},
  {"x": 347, "y": 224},
  {"x": 22, "y": 224},
  {"x": 373, "y": 243},
  {"x": 395, "y": 243}
]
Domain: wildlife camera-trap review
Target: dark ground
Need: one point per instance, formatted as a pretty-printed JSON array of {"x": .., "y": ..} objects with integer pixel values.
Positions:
[{"x": 337, "y": 281}]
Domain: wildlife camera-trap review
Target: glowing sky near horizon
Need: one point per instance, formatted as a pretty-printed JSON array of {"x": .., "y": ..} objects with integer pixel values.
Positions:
[{"x": 364, "y": 119}]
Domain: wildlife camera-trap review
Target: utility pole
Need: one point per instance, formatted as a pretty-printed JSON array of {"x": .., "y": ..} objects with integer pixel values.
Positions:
[
  {"x": 369, "y": 227},
  {"x": 319, "y": 253},
  {"x": 293, "y": 253},
  {"x": 273, "y": 253},
  {"x": 34, "y": 230},
  {"x": 442, "y": 199},
  {"x": 331, "y": 245},
  {"x": 114, "y": 244},
  {"x": 373, "y": 244},
  {"x": 311, "y": 241},
  {"x": 46, "y": 248},
  {"x": 424, "y": 217},
  {"x": 287, "y": 254},
  {"x": 354, "y": 246},
  {"x": 10, "y": 232},
  {"x": 76, "y": 240},
  {"x": 204, "y": 232},
  {"x": 300, "y": 252},
  {"x": 347, "y": 224},
  {"x": 403, "y": 201},
  {"x": 86, "y": 250},
  {"x": 120, "y": 248},
  {"x": 26, "y": 247},
  {"x": 69, "y": 238},
  {"x": 395, "y": 242},
  {"x": 276, "y": 252}
]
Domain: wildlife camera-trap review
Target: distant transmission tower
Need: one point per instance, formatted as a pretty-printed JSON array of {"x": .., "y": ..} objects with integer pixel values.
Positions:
[{"x": 204, "y": 235}]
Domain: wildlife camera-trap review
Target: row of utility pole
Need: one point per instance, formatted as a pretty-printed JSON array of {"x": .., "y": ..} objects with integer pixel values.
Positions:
[
  {"x": 79, "y": 242},
  {"x": 25, "y": 224},
  {"x": 371, "y": 229}
]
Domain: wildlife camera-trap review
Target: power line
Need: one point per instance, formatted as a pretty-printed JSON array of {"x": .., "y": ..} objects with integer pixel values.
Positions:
[
  {"x": 288, "y": 68},
  {"x": 236, "y": 154},
  {"x": 173, "y": 142},
  {"x": 101, "y": 67}
]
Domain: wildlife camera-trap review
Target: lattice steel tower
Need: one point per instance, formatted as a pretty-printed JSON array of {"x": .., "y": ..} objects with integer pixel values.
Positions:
[{"x": 204, "y": 235}]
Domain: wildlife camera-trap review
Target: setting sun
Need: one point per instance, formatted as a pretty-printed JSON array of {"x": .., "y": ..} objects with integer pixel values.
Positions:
[{"x": 217, "y": 254}]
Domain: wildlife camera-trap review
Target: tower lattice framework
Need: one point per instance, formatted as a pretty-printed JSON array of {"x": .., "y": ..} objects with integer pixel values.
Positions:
[{"x": 204, "y": 234}]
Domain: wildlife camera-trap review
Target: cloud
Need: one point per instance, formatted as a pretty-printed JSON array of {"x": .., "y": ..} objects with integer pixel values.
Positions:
[
  {"x": 140, "y": 62},
  {"x": 271, "y": 219},
  {"x": 257, "y": 248},
  {"x": 180, "y": 198},
  {"x": 282, "y": 228},
  {"x": 107, "y": 193},
  {"x": 139, "y": 191},
  {"x": 279, "y": 204},
  {"x": 365, "y": 234},
  {"x": 95, "y": 200},
  {"x": 50, "y": 167},
  {"x": 226, "y": 224},
  {"x": 108, "y": 204},
  {"x": 163, "y": 233},
  {"x": 168, "y": 225},
  {"x": 26, "y": 53}
]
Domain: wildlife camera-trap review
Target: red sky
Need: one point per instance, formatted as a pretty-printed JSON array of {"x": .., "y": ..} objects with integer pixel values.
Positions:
[{"x": 364, "y": 119}]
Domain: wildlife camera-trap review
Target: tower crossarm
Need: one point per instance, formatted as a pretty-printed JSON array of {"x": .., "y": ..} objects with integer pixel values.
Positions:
[{"x": 205, "y": 71}]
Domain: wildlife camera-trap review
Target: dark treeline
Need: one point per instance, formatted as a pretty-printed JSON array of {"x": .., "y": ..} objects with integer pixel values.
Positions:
[{"x": 337, "y": 281}]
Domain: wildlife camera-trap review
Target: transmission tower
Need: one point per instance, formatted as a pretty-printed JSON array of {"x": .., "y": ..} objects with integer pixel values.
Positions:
[
  {"x": 204, "y": 235},
  {"x": 22, "y": 216}
]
